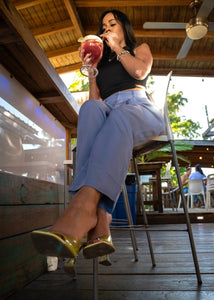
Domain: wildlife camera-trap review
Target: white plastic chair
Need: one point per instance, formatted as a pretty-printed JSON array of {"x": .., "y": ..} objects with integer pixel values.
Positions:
[
  {"x": 195, "y": 187},
  {"x": 209, "y": 189}
]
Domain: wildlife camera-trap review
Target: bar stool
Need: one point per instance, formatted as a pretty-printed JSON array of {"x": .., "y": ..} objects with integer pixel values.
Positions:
[{"x": 152, "y": 144}]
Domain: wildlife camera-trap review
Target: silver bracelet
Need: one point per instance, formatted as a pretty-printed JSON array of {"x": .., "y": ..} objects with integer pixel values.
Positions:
[{"x": 123, "y": 53}]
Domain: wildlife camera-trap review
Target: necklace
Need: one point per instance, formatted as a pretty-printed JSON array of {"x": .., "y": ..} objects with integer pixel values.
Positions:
[{"x": 112, "y": 56}]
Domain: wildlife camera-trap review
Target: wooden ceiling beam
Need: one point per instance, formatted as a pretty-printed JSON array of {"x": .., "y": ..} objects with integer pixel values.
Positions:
[
  {"x": 155, "y": 33},
  {"x": 71, "y": 8},
  {"x": 52, "y": 28},
  {"x": 128, "y": 3},
  {"x": 68, "y": 69},
  {"x": 183, "y": 72},
  {"x": 192, "y": 55},
  {"x": 169, "y": 55},
  {"x": 22, "y": 4},
  {"x": 155, "y": 71},
  {"x": 63, "y": 51},
  {"x": 167, "y": 33}
]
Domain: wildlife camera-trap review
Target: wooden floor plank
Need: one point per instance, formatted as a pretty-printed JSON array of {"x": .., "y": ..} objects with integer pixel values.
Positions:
[{"x": 173, "y": 278}]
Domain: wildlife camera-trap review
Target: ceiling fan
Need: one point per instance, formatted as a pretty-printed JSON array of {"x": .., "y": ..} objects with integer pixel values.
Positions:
[{"x": 196, "y": 28}]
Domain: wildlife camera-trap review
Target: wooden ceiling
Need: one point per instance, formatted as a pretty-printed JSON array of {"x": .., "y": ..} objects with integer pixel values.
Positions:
[
  {"x": 24, "y": 59},
  {"x": 57, "y": 25}
]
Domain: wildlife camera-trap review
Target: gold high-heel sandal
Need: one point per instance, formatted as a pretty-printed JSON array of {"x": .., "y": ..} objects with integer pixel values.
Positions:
[
  {"x": 98, "y": 247},
  {"x": 55, "y": 244},
  {"x": 70, "y": 267},
  {"x": 105, "y": 260}
]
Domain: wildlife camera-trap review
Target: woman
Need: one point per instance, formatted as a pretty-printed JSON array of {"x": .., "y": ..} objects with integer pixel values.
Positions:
[
  {"x": 198, "y": 174},
  {"x": 185, "y": 178},
  {"x": 107, "y": 132}
]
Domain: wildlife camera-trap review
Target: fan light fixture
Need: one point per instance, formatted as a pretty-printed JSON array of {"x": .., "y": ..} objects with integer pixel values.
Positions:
[{"x": 196, "y": 28}]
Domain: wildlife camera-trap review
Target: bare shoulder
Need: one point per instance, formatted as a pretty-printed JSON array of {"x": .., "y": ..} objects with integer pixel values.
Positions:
[{"x": 143, "y": 48}]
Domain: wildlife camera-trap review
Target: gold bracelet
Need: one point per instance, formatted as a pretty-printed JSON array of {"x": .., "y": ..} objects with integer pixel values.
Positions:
[{"x": 123, "y": 53}]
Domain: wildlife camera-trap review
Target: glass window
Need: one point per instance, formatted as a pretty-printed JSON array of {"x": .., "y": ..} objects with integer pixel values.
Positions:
[{"x": 27, "y": 149}]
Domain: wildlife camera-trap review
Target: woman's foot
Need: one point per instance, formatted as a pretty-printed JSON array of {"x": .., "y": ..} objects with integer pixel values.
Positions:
[
  {"x": 102, "y": 227},
  {"x": 81, "y": 214},
  {"x": 99, "y": 238}
]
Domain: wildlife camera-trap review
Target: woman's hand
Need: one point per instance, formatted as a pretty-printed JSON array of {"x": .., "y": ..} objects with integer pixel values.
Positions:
[
  {"x": 111, "y": 40},
  {"x": 86, "y": 60}
]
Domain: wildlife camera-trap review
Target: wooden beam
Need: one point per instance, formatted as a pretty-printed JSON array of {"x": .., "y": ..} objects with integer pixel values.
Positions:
[
  {"x": 50, "y": 100},
  {"x": 169, "y": 55},
  {"x": 155, "y": 71},
  {"x": 63, "y": 51},
  {"x": 71, "y": 8},
  {"x": 193, "y": 55},
  {"x": 167, "y": 33},
  {"x": 22, "y": 4},
  {"x": 52, "y": 28},
  {"x": 183, "y": 72},
  {"x": 68, "y": 69},
  {"x": 157, "y": 33},
  {"x": 72, "y": 128},
  {"x": 128, "y": 3}
]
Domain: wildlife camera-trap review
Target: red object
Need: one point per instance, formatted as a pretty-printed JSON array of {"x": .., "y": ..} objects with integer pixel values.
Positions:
[{"x": 95, "y": 48}]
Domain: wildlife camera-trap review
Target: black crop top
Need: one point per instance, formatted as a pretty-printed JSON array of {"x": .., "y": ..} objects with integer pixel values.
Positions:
[{"x": 112, "y": 78}]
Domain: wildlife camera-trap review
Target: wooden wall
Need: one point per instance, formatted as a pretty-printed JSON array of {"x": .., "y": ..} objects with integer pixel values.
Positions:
[{"x": 25, "y": 204}]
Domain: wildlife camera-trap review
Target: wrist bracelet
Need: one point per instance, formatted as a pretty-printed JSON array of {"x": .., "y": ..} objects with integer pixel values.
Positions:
[{"x": 123, "y": 53}]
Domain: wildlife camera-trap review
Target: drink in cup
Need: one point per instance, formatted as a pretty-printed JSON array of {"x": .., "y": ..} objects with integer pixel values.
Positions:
[{"x": 94, "y": 45}]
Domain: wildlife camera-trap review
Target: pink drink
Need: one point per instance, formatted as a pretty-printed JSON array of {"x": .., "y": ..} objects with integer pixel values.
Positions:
[
  {"x": 95, "y": 48},
  {"x": 94, "y": 45}
]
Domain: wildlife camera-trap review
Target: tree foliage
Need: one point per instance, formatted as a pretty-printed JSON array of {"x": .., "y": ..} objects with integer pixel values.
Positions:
[
  {"x": 80, "y": 83},
  {"x": 181, "y": 126}
]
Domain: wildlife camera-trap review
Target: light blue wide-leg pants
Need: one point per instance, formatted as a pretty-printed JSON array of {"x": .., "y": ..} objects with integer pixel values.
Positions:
[{"x": 107, "y": 132}]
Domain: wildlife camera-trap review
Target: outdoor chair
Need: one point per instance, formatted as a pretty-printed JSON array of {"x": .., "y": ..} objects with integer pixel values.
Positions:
[
  {"x": 195, "y": 187},
  {"x": 209, "y": 190}
]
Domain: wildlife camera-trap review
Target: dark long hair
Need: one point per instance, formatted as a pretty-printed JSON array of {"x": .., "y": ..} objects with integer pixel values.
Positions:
[
  {"x": 127, "y": 29},
  {"x": 199, "y": 169}
]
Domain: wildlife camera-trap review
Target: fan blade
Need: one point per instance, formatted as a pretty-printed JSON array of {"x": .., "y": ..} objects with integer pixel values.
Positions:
[
  {"x": 211, "y": 26},
  {"x": 185, "y": 48},
  {"x": 163, "y": 25},
  {"x": 205, "y": 8}
]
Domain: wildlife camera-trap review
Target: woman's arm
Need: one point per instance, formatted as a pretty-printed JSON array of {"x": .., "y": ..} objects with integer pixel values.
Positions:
[
  {"x": 138, "y": 66},
  {"x": 93, "y": 90},
  {"x": 184, "y": 179}
]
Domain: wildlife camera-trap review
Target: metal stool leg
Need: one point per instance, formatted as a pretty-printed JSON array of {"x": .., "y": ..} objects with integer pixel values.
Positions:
[
  {"x": 95, "y": 278},
  {"x": 189, "y": 228},
  {"x": 130, "y": 220},
  {"x": 144, "y": 213}
]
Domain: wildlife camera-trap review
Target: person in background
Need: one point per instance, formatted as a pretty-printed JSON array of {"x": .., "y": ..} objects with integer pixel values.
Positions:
[
  {"x": 184, "y": 179},
  {"x": 198, "y": 174}
]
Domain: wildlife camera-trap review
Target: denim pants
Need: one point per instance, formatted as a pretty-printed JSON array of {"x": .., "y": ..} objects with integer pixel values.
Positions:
[{"x": 107, "y": 132}]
